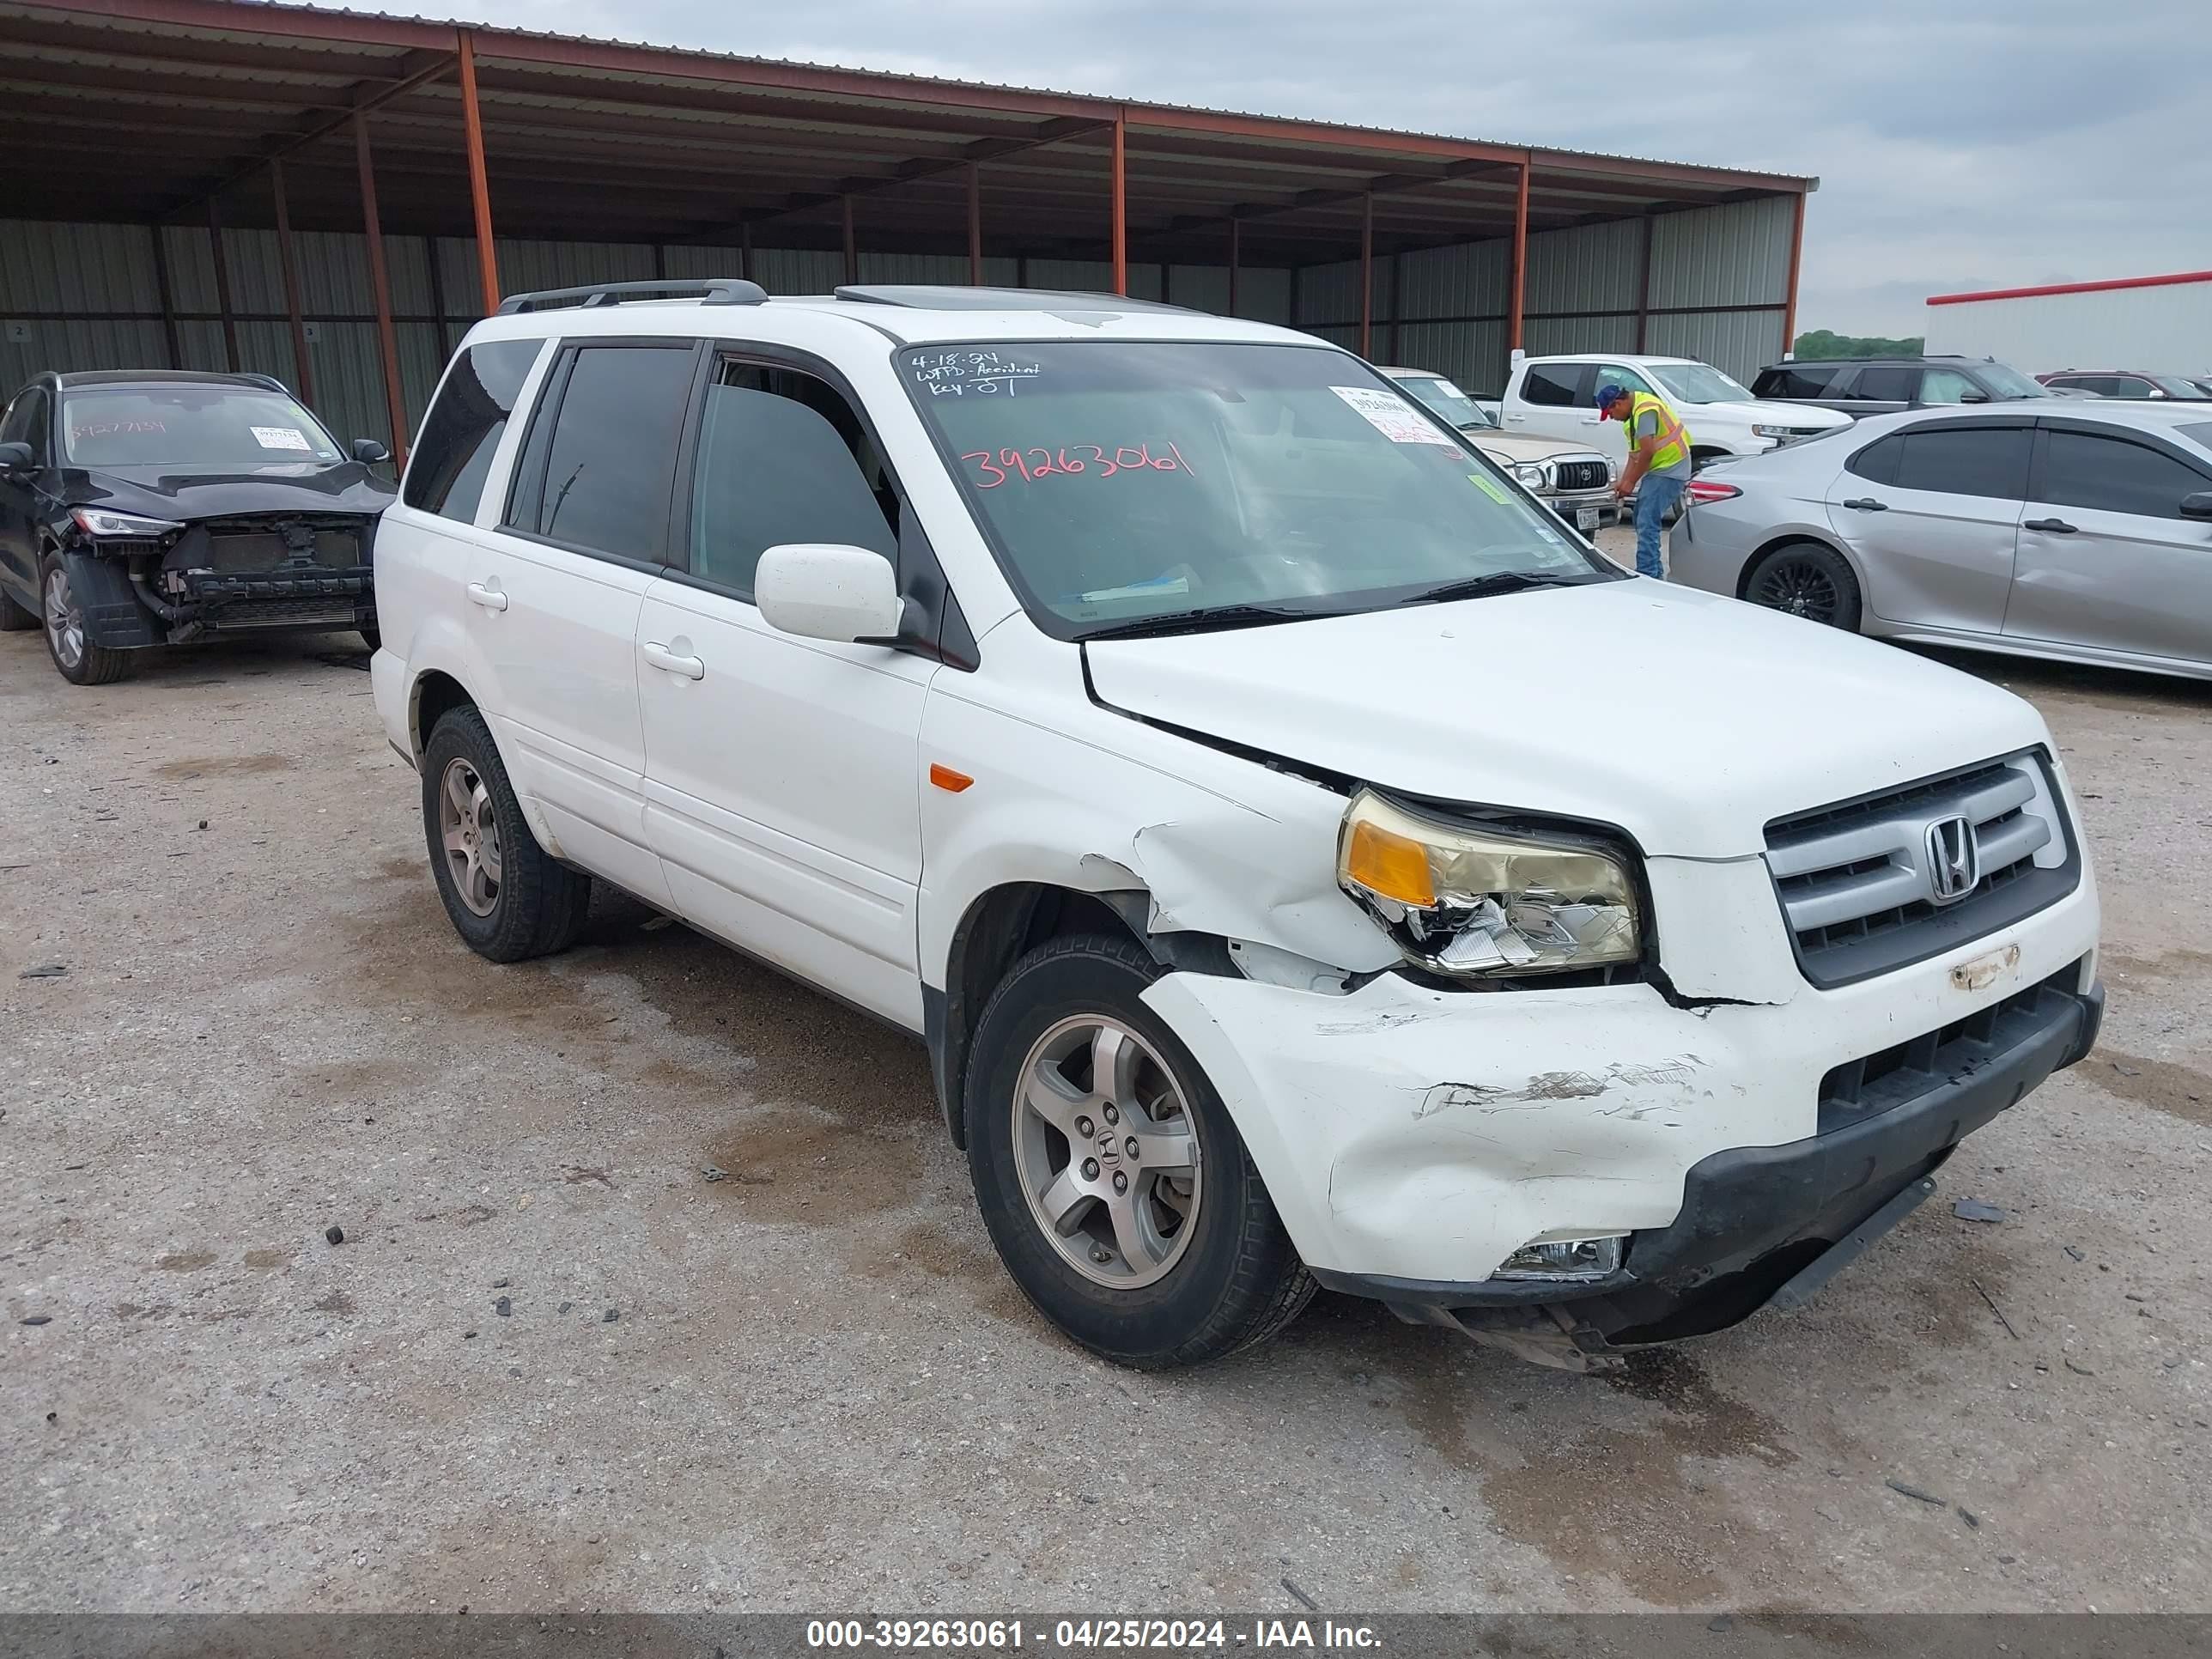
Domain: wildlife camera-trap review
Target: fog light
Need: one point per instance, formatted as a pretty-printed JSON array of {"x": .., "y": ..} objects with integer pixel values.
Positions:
[{"x": 1565, "y": 1259}]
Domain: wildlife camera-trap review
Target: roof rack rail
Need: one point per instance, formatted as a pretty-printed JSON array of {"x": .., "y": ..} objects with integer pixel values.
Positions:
[
  {"x": 710, "y": 290},
  {"x": 930, "y": 296}
]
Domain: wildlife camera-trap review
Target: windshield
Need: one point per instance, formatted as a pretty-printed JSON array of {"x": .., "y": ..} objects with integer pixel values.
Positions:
[
  {"x": 190, "y": 426},
  {"x": 1121, "y": 480},
  {"x": 1446, "y": 398},
  {"x": 1698, "y": 383},
  {"x": 2175, "y": 386},
  {"x": 2004, "y": 382}
]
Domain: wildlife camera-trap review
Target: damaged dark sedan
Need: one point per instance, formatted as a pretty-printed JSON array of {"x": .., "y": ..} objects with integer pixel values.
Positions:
[{"x": 149, "y": 507}]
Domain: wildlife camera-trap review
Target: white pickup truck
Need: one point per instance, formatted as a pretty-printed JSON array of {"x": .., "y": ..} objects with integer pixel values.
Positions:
[{"x": 1556, "y": 398}]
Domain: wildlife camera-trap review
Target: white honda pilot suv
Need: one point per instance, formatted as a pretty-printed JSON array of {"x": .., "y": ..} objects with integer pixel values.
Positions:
[{"x": 1306, "y": 859}]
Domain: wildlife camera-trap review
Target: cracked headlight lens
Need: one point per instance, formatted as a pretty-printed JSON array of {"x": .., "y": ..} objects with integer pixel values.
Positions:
[{"x": 1471, "y": 903}]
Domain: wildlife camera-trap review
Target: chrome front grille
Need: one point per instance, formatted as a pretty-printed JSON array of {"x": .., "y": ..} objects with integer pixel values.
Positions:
[
  {"x": 1571, "y": 477},
  {"x": 1866, "y": 885}
]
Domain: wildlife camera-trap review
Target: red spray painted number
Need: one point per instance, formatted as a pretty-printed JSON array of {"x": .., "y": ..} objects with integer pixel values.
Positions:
[{"x": 1030, "y": 464}]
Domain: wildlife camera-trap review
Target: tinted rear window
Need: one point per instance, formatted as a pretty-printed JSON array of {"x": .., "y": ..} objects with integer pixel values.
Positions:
[
  {"x": 1888, "y": 385},
  {"x": 2115, "y": 475},
  {"x": 1795, "y": 381},
  {"x": 462, "y": 432},
  {"x": 1986, "y": 461},
  {"x": 610, "y": 456},
  {"x": 1553, "y": 385}
]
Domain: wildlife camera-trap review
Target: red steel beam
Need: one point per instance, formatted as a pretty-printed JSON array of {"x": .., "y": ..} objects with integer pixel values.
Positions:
[
  {"x": 380, "y": 282},
  {"x": 975, "y": 224},
  {"x": 303, "y": 371},
  {"x": 1120, "y": 203},
  {"x": 479, "y": 185},
  {"x": 1797, "y": 259},
  {"x": 1520, "y": 259}
]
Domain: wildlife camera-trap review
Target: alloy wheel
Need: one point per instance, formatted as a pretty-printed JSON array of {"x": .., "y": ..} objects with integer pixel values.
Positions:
[
  {"x": 1107, "y": 1152},
  {"x": 469, "y": 835},
  {"x": 1800, "y": 588},
  {"x": 65, "y": 620}
]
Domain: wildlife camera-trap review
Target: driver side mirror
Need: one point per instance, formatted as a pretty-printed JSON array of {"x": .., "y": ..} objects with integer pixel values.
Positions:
[
  {"x": 829, "y": 591},
  {"x": 1973, "y": 397},
  {"x": 15, "y": 457},
  {"x": 2198, "y": 504},
  {"x": 368, "y": 452}
]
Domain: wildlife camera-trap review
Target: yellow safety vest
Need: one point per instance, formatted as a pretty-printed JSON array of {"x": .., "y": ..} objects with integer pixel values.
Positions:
[{"x": 1673, "y": 436}]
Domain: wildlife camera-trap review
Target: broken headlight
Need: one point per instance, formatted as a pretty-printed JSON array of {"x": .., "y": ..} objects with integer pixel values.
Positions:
[{"x": 1471, "y": 902}]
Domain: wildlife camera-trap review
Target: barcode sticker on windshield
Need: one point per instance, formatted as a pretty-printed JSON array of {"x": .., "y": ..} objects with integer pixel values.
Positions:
[
  {"x": 280, "y": 437},
  {"x": 1391, "y": 416}
]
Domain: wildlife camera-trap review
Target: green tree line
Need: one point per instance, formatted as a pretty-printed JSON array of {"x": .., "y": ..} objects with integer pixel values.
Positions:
[{"x": 1820, "y": 344}]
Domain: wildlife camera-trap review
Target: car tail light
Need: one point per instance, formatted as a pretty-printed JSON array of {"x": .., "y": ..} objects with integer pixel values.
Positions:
[{"x": 1702, "y": 490}]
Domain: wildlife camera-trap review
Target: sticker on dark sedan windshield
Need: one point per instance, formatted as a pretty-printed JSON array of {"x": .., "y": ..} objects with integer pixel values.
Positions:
[
  {"x": 1392, "y": 415},
  {"x": 280, "y": 437}
]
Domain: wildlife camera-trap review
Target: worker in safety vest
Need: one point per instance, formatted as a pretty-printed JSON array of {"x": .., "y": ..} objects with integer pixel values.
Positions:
[{"x": 1658, "y": 467}]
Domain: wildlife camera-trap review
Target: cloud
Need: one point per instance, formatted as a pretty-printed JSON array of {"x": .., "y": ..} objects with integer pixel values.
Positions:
[{"x": 1975, "y": 143}]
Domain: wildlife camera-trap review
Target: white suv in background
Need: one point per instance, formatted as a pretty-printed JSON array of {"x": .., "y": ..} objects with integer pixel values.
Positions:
[{"x": 1305, "y": 858}]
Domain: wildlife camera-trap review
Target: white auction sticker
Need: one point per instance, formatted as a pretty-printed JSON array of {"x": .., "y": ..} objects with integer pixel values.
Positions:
[
  {"x": 1390, "y": 416},
  {"x": 280, "y": 437}
]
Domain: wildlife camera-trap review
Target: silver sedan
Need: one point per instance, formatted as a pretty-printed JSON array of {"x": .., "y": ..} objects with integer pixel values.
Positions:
[{"x": 2083, "y": 535}]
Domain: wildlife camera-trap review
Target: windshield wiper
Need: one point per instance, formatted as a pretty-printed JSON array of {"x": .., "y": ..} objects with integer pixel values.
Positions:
[
  {"x": 1189, "y": 622},
  {"x": 1505, "y": 581}
]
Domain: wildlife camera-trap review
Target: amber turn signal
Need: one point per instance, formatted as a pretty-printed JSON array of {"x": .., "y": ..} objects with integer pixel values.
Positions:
[
  {"x": 945, "y": 778},
  {"x": 1391, "y": 866}
]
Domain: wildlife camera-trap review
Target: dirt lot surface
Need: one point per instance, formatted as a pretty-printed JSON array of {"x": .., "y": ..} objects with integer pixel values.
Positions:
[{"x": 552, "y": 1366}]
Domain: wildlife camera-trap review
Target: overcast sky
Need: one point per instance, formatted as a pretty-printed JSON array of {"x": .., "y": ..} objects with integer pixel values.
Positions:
[{"x": 1960, "y": 143}]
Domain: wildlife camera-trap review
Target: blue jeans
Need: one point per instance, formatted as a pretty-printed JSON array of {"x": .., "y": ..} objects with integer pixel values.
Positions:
[{"x": 1655, "y": 498}]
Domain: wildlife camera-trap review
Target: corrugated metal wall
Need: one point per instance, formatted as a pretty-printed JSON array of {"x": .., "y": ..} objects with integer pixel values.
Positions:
[
  {"x": 1720, "y": 277},
  {"x": 2165, "y": 330},
  {"x": 91, "y": 296}
]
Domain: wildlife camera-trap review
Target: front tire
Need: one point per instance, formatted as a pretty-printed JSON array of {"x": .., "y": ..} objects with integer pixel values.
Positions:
[
  {"x": 75, "y": 657},
  {"x": 508, "y": 899},
  {"x": 1109, "y": 1174},
  {"x": 1804, "y": 579},
  {"x": 372, "y": 638}
]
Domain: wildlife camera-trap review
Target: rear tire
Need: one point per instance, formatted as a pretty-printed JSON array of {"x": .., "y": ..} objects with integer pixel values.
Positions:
[
  {"x": 372, "y": 638},
  {"x": 14, "y": 619},
  {"x": 1189, "y": 1262},
  {"x": 76, "y": 658},
  {"x": 1804, "y": 579},
  {"x": 505, "y": 896}
]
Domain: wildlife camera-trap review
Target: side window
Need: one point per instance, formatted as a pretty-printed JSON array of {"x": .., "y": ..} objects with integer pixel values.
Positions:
[
  {"x": 1990, "y": 462},
  {"x": 1948, "y": 385},
  {"x": 2130, "y": 386},
  {"x": 1886, "y": 385},
  {"x": 783, "y": 457},
  {"x": 1795, "y": 381},
  {"x": 1612, "y": 374},
  {"x": 2113, "y": 475},
  {"x": 596, "y": 472},
  {"x": 1553, "y": 385},
  {"x": 461, "y": 434},
  {"x": 26, "y": 423},
  {"x": 1877, "y": 462}
]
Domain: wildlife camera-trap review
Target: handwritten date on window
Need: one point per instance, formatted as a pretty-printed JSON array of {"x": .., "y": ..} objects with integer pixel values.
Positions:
[
  {"x": 1093, "y": 460},
  {"x": 971, "y": 373}
]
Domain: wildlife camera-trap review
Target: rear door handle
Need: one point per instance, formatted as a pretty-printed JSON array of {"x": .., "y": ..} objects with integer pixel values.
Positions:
[
  {"x": 2057, "y": 527},
  {"x": 1868, "y": 504},
  {"x": 489, "y": 598},
  {"x": 661, "y": 657}
]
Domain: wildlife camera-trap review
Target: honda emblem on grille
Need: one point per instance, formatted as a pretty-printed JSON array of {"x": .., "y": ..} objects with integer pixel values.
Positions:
[{"x": 1954, "y": 859}]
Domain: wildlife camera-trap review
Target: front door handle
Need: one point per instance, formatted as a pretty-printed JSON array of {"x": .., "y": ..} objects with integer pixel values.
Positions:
[
  {"x": 489, "y": 598},
  {"x": 1868, "y": 504},
  {"x": 2057, "y": 527},
  {"x": 661, "y": 657}
]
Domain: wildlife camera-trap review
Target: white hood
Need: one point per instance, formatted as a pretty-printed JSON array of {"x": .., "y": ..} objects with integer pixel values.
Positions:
[
  {"x": 1759, "y": 413},
  {"x": 1689, "y": 720}
]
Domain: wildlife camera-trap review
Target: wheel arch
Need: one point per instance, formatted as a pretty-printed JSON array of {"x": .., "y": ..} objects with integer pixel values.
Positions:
[
  {"x": 1795, "y": 534},
  {"x": 433, "y": 695}
]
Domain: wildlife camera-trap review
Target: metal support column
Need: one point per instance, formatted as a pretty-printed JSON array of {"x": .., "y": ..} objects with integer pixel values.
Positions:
[
  {"x": 1797, "y": 259},
  {"x": 303, "y": 370},
  {"x": 169, "y": 295},
  {"x": 1121, "y": 202},
  {"x": 479, "y": 183},
  {"x": 1644, "y": 289},
  {"x": 1520, "y": 257},
  {"x": 1366, "y": 270},
  {"x": 222, "y": 287},
  {"x": 852, "y": 248},
  {"x": 380, "y": 281},
  {"x": 974, "y": 224},
  {"x": 1236, "y": 253}
]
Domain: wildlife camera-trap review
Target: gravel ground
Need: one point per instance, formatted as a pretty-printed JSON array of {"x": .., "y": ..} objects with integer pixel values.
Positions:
[{"x": 552, "y": 1366}]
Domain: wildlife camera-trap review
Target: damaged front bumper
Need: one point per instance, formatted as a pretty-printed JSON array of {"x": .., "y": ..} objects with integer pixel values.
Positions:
[
  {"x": 1413, "y": 1139},
  {"x": 228, "y": 576}
]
